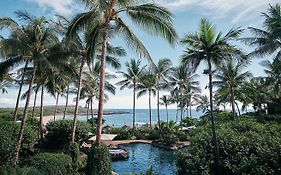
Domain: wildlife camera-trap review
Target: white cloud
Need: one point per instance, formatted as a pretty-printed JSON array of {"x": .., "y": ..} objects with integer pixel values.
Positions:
[
  {"x": 63, "y": 7},
  {"x": 237, "y": 9}
]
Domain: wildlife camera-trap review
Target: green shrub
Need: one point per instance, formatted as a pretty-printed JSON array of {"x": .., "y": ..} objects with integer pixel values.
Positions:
[
  {"x": 59, "y": 133},
  {"x": 99, "y": 161},
  {"x": 52, "y": 164},
  {"x": 20, "y": 171},
  {"x": 245, "y": 146},
  {"x": 123, "y": 134},
  {"x": 189, "y": 121},
  {"x": 72, "y": 149},
  {"x": 8, "y": 138}
]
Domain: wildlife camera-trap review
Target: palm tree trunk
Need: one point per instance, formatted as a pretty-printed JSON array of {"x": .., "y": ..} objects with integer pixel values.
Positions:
[
  {"x": 177, "y": 115},
  {"x": 134, "y": 108},
  {"x": 77, "y": 99},
  {"x": 232, "y": 102},
  {"x": 238, "y": 109},
  {"x": 40, "y": 127},
  {"x": 215, "y": 142},
  {"x": 158, "y": 103},
  {"x": 88, "y": 106},
  {"x": 102, "y": 80},
  {"x": 190, "y": 113},
  {"x": 66, "y": 102},
  {"x": 19, "y": 93},
  {"x": 20, "y": 136},
  {"x": 92, "y": 113},
  {"x": 56, "y": 108},
  {"x": 167, "y": 112},
  {"x": 150, "y": 114},
  {"x": 34, "y": 104}
]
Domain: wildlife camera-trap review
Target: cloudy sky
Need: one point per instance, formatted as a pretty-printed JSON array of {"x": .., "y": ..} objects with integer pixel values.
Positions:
[{"x": 225, "y": 14}]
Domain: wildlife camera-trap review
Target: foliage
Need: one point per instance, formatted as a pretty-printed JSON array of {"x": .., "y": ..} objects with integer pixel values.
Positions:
[
  {"x": 52, "y": 164},
  {"x": 246, "y": 147},
  {"x": 188, "y": 121},
  {"x": 72, "y": 149},
  {"x": 8, "y": 136},
  {"x": 59, "y": 133},
  {"x": 99, "y": 161},
  {"x": 19, "y": 171}
]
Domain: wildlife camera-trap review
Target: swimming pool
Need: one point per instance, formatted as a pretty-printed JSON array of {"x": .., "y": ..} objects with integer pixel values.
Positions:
[{"x": 142, "y": 156}]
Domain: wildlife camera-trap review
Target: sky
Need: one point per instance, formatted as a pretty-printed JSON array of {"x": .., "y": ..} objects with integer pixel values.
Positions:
[{"x": 224, "y": 14}]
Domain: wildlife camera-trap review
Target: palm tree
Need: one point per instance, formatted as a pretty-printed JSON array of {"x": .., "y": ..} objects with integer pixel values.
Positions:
[
  {"x": 132, "y": 78},
  {"x": 146, "y": 85},
  {"x": 87, "y": 46},
  {"x": 14, "y": 51},
  {"x": 268, "y": 40},
  {"x": 90, "y": 88},
  {"x": 161, "y": 70},
  {"x": 258, "y": 92},
  {"x": 212, "y": 48},
  {"x": 203, "y": 103},
  {"x": 165, "y": 100},
  {"x": 183, "y": 82},
  {"x": 5, "y": 83},
  {"x": 106, "y": 17},
  {"x": 229, "y": 78}
]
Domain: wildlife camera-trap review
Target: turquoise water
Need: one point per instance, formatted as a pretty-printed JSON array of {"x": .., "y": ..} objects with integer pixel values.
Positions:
[
  {"x": 142, "y": 156},
  {"x": 142, "y": 116}
]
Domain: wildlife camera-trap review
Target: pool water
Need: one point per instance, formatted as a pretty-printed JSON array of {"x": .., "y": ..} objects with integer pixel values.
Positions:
[{"x": 142, "y": 156}]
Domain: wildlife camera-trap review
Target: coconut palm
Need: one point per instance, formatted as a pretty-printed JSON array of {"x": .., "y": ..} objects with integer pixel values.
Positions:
[
  {"x": 183, "y": 82},
  {"x": 5, "y": 83},
  {"x": 106, "y": 17},
  {"x": 212, "y": 48},
  {"x": 229, "y": 78},
  {"x": 132, "y": 78},
  {"x": 165, "y": 100},
  {"x": 13, "y": 49},
  {"x": 146, "y": 85},
  {"x": 161, "y": 70},
  {"x": 87, "y": 46},
  {"x": 268, "y": 40},
  {"x": 34, "y": 39},
  {"x": 258, "y": 92},
  {"x": 203, "y": 103},
  {"x": 90, "y": 88}
]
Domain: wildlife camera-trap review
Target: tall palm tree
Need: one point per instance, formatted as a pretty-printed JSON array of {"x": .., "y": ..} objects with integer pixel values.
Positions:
[
  {"x": 183, "y": 82},
  {"x": 161, "y": 70},
  {"x": 165, "y": 100},
  {"x": 210, "y": 47},
  {"x": 268, "y": 40},
  {"x": 90, "y": 88},
  {"x": 106, "y": 16},
  {"x": 146, "y": 85},
  {"x": 87, "y": 45},
  {"x": 13, "y": 49},
  {"x": 229, "y": 78},
  {"x": 132, "y": 78}
]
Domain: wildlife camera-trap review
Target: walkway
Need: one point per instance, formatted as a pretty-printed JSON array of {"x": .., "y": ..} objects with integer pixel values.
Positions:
[{"x": 120, "y": 142}]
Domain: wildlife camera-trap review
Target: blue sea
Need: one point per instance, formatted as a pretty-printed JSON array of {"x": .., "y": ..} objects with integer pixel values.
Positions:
[{"x": 142, "y": 116}]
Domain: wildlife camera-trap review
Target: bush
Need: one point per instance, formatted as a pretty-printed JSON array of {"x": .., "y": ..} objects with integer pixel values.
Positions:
[
  {"x": 20, "y": 171},
  {"x": 245, "y": 146},
  {"x": 52, "y": 164},
  {"x": 189, "y": 121},
  {"x": 59, "y": 133},
  {"x": 99, "y": 161},
  {"x": 72, "y": 149},
  {"x": 8, "y": 138}
]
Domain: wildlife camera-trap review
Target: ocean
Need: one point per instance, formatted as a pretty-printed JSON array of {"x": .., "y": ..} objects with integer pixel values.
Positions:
[{"x": 142, "y": 116}]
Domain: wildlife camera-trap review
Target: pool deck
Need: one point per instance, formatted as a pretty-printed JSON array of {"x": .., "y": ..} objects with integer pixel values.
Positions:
[{"x": 121, "y": 142}]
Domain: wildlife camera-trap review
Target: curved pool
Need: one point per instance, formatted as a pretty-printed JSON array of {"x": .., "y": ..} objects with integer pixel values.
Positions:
[{"x": 142, "y": 156}]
